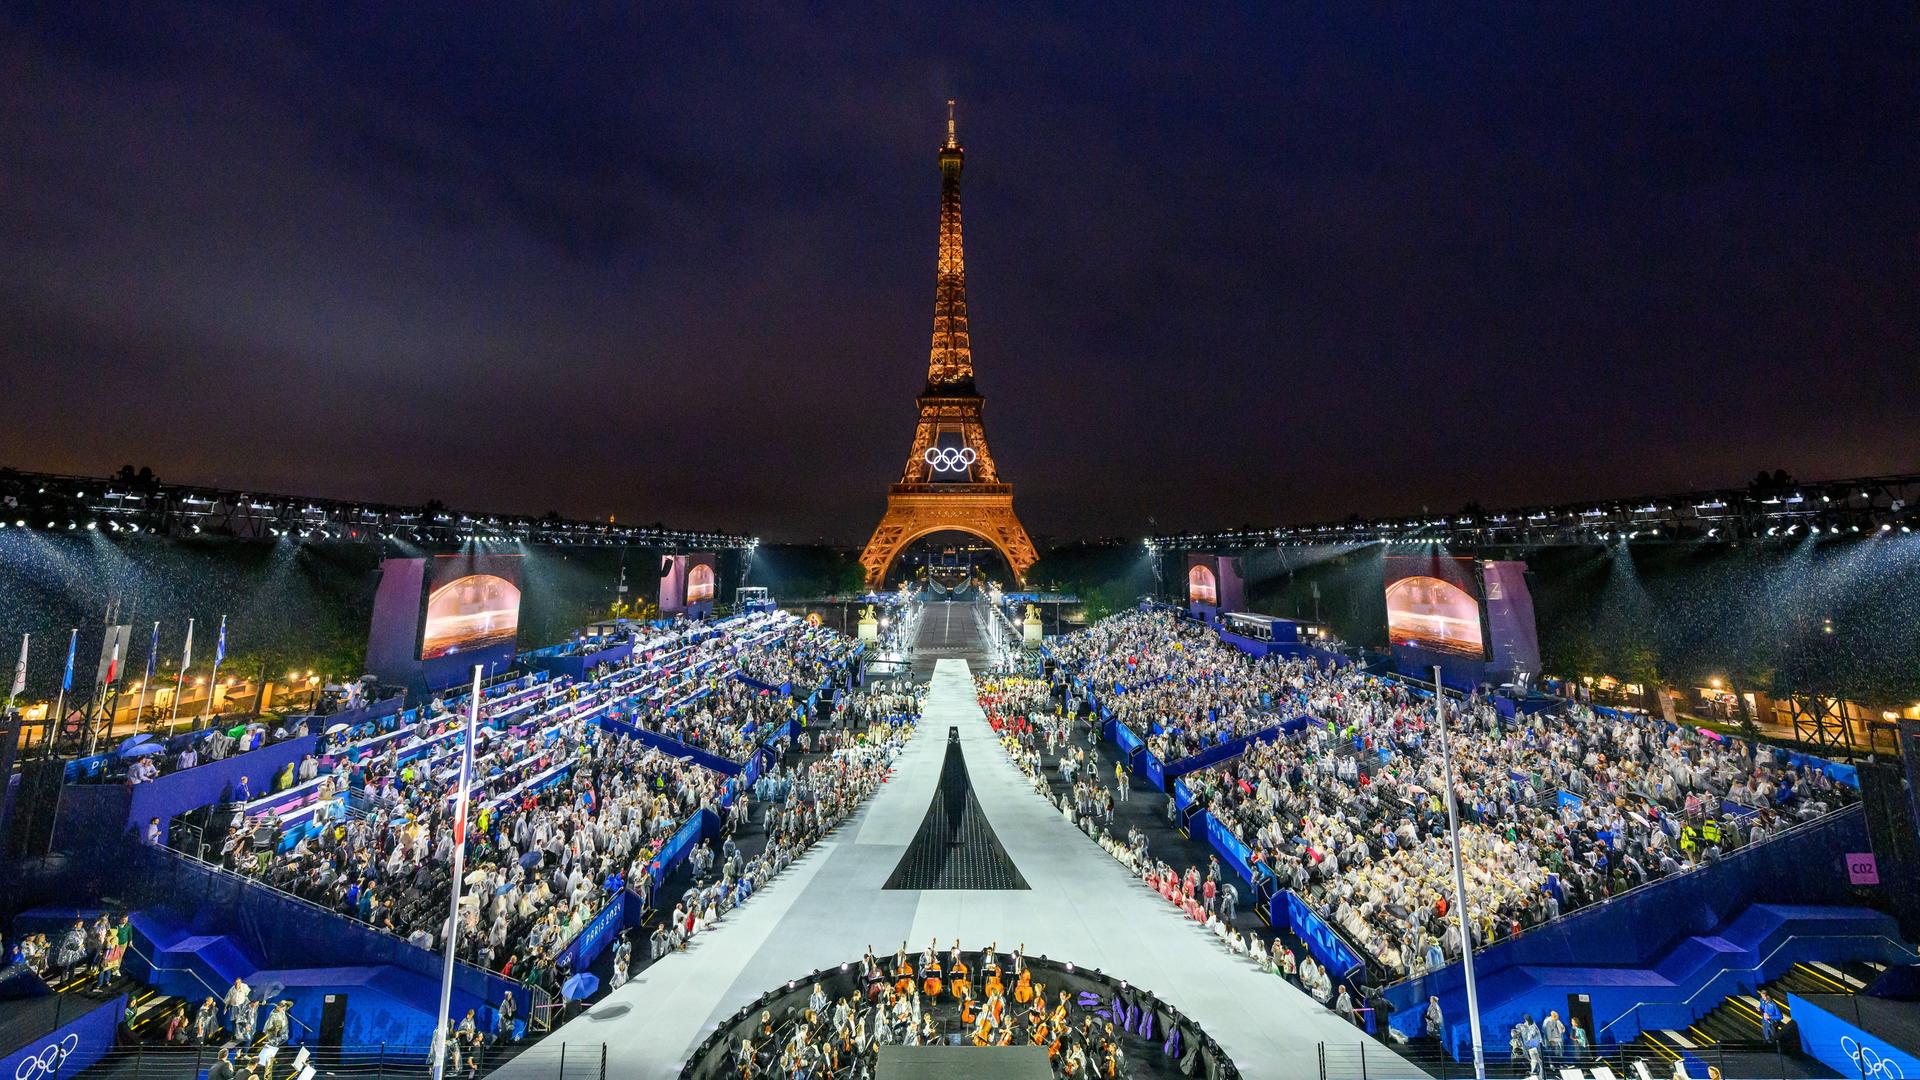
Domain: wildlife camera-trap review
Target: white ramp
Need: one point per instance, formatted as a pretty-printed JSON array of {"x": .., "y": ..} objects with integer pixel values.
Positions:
[{"x": 829, "y": 907}]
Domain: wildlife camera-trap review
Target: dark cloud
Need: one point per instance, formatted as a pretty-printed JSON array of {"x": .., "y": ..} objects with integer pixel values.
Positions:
[{"x": 1227, "y": 265}]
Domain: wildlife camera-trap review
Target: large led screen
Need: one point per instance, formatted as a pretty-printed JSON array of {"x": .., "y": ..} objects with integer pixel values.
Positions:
[
  {"x": 472, "y": 602},
  {"x": 1433, "y": 604},
  {"x": 1202, "y": 587},
  {"x": 699, "y": 584}
]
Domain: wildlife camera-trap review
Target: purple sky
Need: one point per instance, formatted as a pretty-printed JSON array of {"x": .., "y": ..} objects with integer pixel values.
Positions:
[{"x": 676, "y": 263}]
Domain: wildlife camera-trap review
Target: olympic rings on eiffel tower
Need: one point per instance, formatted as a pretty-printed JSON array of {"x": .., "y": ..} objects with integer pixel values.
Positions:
[{"x": 949, "y": 458}]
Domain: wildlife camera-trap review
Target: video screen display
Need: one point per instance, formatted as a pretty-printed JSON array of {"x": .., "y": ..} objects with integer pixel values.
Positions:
[
  {"x": 473, "y": 601},
  {"x": 1433, "y": 603},
  {"x": 1202, "y": 586},
  {"x": 699, "y": 584}
]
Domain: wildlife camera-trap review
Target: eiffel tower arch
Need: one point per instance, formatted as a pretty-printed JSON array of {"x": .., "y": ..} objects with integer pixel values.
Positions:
[{"x": 950, "y": 481}]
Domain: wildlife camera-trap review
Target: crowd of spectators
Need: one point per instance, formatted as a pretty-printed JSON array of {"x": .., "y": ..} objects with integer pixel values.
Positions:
[
  {"x": 541, "y": 864},
  {"x": 1349, "y": 812},
  {"x": 1177, "y": 686},
  {"x": 808, "y": 657},
  {"x": 804, "y": 803},
  {"x": 1017, "y": 708},
  {"x": 732, "y": 719},
  {"x": 565, "y": 812}
]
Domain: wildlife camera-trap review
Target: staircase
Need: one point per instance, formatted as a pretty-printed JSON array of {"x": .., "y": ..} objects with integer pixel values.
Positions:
[{"x": 1734, "y": 1024}]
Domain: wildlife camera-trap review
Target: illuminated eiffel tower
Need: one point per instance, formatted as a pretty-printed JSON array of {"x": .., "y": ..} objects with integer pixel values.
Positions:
[{"x": 950, "y": 482}]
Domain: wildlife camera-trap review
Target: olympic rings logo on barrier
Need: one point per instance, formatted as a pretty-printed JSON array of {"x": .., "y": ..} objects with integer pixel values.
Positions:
[
  {"x": 1871, "y": 1065},
  {"x": 949, "y": 458},
  {"x": 45, "y": 1065}
]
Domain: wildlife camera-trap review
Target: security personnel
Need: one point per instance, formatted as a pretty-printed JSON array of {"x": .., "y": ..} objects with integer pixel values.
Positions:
[
  {"x": 1710, "y": 832},
  {"x": 1689, "y": 840}
]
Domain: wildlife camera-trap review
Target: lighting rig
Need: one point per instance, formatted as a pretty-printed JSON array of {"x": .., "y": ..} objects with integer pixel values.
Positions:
[
  {"x": 116, "y": 505},
  {"x": 1868, "y": 506}
]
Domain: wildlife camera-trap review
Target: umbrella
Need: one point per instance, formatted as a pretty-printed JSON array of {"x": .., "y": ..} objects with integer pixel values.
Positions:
[
  {"x": 504, "y": 889},
  {"x": 236, "y": 731},
  {"x": 530, "y": 859},
  {"x": 144, "y": 750},
  {"x": 579, "y": 987},
  {"x": 336, "y": 729},
  {"x": 127, "y": 744}
]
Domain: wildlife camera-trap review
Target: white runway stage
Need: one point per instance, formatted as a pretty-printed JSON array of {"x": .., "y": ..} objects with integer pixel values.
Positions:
[{"x": 1083, "y": 906}]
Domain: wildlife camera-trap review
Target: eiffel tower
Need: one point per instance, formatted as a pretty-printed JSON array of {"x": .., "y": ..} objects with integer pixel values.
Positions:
[{"x": 950, "y": 482}]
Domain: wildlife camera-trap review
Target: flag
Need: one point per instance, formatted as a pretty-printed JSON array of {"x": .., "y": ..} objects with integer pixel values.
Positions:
[
  {"x": 220, "y": 647},
  {"x": 113, "y": 662},
  {"x": 20, "y": 669},
  {"x": 186, "y": 654},
  {"x": 66, "y": 681},
  {"x": 153, "y": 652}
]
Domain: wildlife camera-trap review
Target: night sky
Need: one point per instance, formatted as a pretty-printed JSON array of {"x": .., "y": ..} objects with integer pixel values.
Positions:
[{"x": 677, "y": 263}]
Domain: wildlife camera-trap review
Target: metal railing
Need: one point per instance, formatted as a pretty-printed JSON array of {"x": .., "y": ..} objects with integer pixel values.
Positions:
[
  {"x": 1368, "y": 1060},
  {"x": 189, "y": 1060},
  {"x": 1713, "y": 983}
]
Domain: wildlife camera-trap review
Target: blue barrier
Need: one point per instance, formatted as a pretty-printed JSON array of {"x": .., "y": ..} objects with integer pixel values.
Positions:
[
  {"x": 1614, "y": 941},
  {"x": 1214, "y": 755},
  {"x": 70, "y": 1048},
  {"x": 214, "y": 782},
  {"x": 680, "y": 844},
  {"x": 1846, "y": 1047},
  {"x": 783, "y": 689},
  {"x": 704, "y": 758},
  {"x": 1237, "y": 855},
  {"x": 277, "y": 931},
  {"x": 1841, "y": 773},
  {"x": 1153, "y": 770},
  {"x": 1323, "y": 942},
  {"x": 593, "y": 938}
]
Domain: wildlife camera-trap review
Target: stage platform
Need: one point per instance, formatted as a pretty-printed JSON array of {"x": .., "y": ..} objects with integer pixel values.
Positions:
[
  {"x": 1082, "y": 906},
  {"x": 962, "y": 1063}
]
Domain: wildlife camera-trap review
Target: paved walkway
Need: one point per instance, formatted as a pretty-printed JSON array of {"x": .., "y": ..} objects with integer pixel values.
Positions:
[{"x": 1083, "y": 906}]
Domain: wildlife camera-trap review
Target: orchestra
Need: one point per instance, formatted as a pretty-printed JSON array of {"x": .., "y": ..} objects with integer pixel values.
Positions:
[{"x": 929, "y": 1000}]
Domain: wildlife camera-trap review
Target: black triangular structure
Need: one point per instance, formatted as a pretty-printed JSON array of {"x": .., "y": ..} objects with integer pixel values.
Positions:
[{"x": 955, "y": 847}]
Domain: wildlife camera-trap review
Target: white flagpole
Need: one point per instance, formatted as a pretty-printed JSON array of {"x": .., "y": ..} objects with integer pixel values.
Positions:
[
  {"x": 180, "y": 679},
  {"x": 19, "y": 672},
  {"x": 1459, "y": 881},
  {"x": 213, "y": 680},
  {"x": 106, "y": 691},
  {"x": 141, "y": 705},
  {"x": 60, "y": 707},
  {"x": 444, "y": 1031}
]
